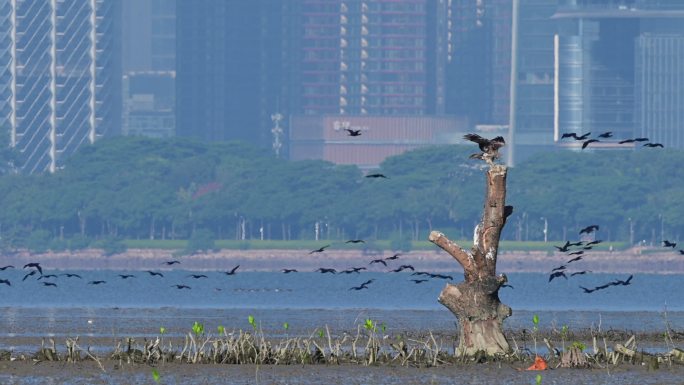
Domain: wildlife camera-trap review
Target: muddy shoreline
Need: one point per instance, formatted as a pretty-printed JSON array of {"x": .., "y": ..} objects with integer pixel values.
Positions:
[{"x": 627, "y": 261}]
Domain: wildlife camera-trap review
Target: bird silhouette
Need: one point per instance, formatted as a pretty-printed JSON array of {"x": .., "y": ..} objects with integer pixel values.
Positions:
[
  {"x": 654, "y": 145},
  {"x": 441, "y": 276},
  {"x": 421, "y": 273},
  {"x": 606, "y": 135},
  {"x": 587, "y": 290},
  {"x": 6, "y": 282},
  {"x": 288, "y": 271},
  {"x": 392, "y": 258},
  {"x": 681, "y": 252},
  {"x": 556, "y": 275},
  {"x": 360, "y": 287},
  {"x": 49, "y": 284},
  {"x": 569, "y": 135},
  {"x": 589, "y": 229},
  {"x": 641, "y": 139},
  {"x": 577, "y": 252},
  {"x": 356, "y": 241},
  {"x": 667, "y": 243},
  {"x": 47, "y": 276},
  {"x": 232, "y": 272},
  {"x": 6, "y": 267},
  {"x": 35, "y": 265},
  {"x": 323, "y": 270},
  {"x": 319, "y": 250},
  {"x": 169, "y": 263},
  {"x": 623, "y": 283},
  {"x": 507, "y": 285},
  {"x": 378, "y": 261},
  {"x": 489, "y": 147},
  {"x": 563, "y": 248},
  {"x": 596, "y": 242},
  {"x": 32, "y": 272},
  {"x": 96, "y": 282},
  {"x": 582, "y": 137},
  {"x": 353, "y": 270},
  {"x": 126, "y": 276},
  {"x": 580, "y": 273},
  {"x": 559, "y": 268},
  {"x": 70, "y": 275},
  {"x": 153, "y": 273},
  {"x": 419, "y": 280},
  {"x": 181, "y": 286},
  {"x": 353, "y": 132},
  {"x": 406, "y": 267},
  {"x": 579, "y": 258},
  {"x": 197, "y": 276},
  {"x": 376, "y": 175},
  {"x": 587, "y": 248},
  {"x": 626, "y": 141},
  {"x": 588, "y": 142}
]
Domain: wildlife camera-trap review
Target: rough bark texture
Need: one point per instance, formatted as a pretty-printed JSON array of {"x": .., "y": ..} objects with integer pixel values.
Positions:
[{"x": 475, "y": 301}]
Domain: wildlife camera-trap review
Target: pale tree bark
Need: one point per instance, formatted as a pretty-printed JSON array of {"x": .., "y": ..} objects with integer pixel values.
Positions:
[{"x": 475, "y": 301}]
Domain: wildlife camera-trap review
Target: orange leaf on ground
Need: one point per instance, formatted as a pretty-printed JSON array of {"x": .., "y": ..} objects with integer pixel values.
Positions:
[{"x": 539, "y": 364}]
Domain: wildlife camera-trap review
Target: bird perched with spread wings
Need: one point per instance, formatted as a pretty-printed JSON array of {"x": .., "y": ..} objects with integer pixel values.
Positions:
[{"x": 489, "y": 147}]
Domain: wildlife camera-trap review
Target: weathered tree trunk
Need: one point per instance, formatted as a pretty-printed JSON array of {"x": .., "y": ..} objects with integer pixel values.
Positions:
[{"x": 475, "y": 301}]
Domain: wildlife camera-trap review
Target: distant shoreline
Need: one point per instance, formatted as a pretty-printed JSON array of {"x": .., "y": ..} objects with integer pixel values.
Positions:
[{"x": 625, "y": 261}]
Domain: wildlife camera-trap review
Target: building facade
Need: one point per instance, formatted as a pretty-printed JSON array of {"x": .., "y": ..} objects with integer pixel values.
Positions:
[{"x": 61, "y": 73}]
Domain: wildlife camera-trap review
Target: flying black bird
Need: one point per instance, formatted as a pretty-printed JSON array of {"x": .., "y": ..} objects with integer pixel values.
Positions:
[
  {"x": 583, "y": 137},
  {"x": 197, "y": 276},
  {"x": 402, "y": 268},
  {"x": 681, "y": 252},
  {"x": 559, "y": 268},
  {"x": 288, "y": 271},
  {"x": 577, "y": 252},
  {"x": 6, "y": 282},
  {"x": 421, "y": 273},
  {"x": 623, "y": 283},
  {"x": 322, "y": 249},
  {"x": 6, "y": 267},
  {"x": 587, "y": 290},
  {"x": 626, "y": 141},
  {"x": 587, "y": 248},
  {"x": 489, "y": 148},
  {"x": 126, "y": 276},
  {"x": 557, "y": 274},
  {"x": 441, "y": 276},
  {"x": 419, "y": 280},
  {"x": 153, "y": 273},
  {"x": 353, "y": 132},
  {"x": 47, "y": 276},
  {"x": 181, "y": 286},
  {"x": 369, "y": 282},
  {"x": 35, "y": 265},
  {"x": 653, "y": 145},
  {"x": 360, "y": 287},
  {"x": 232, "y": 272},
  {"x": 607, "y": 285},
  {"x": 96, "y": 282},
  {"x": 49, "y": 284},
  {"x": 33, "y": 272},
  {"x": 589, "y": 229},
  {"x": 641, "y": 139},
  {"x": 606, "y": 135},
  {"x": 569, "y": 135},
  {"x": 70, "y": 275},
  {"x": 169, "y": 263},
  {"x": 353, "y": 270},
  {"x": 563, "y": 248},
  {"x": 667, "y": 243},
  {"x": 580, "y": 273},
  {"x": 574, "y": 259},
  {"x": 356, "y": 241},
  {"x": 323, "y": 270},
  {"x": 596, "y": 242},
  {"x": 392, "y": 258},
  {"x": 587, "y": 142},
  {"x": 376, "y": 176},
  {"x": 378, "y": 261}
]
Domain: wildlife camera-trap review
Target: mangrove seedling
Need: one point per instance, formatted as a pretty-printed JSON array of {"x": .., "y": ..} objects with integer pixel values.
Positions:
[
  {"x": 539, "y": 379},
  {"x": 564, "y": 335},
  {"x": 162, "y": 330},
  {"x": 197, "y": 328},
  {"x": 535, "y": 329},
  {"x": 369, "y": 325},
  {"x": 252, "y": 322},
  {"x": 220, "y": 329},
  {"x": 286, "y": 326},
  {"x": 155, "y": 375}
]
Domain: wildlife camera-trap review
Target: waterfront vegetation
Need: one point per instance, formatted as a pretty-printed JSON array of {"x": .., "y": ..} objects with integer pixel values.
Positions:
[{"x": 176, "y": 194}]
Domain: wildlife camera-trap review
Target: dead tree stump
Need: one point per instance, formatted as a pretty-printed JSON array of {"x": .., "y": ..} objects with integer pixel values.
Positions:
[{"x": 475, "y": 301}]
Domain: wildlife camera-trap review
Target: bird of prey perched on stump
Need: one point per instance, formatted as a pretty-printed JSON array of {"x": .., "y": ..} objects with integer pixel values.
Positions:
[{"x": 489, "y": 147}]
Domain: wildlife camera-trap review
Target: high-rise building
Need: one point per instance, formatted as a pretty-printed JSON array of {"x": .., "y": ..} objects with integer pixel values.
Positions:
[
  {"x": 61, "y": 77},
  {"x": 621, "y": 69},
  {"x": 148, "y": 104},
  {"x": 149, "y": 35},
  {"x": 228, "y": 68}
]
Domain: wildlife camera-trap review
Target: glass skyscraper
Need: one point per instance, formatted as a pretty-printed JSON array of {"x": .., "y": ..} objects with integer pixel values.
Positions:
[{"x": 61, "y": 77}]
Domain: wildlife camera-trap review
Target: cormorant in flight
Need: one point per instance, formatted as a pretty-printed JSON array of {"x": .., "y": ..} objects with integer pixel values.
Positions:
[
  {"x": 232, "y": 272},
  {"x": 667, "y": 243},
  {"x": 587, "y": 142},
  {"x": 589, "y": 229},
  {"x": 376, "y": 176},
  {"x": 35, "y": 265},
  {"x": 654, "y": 145},
  {"x": 288, "y": 271},
  {"x": 320, "y": 250},
  {"x": 353, "y": 132},
  {"x": 153, "y": 273},
  {"x": 557, "y": 274}
]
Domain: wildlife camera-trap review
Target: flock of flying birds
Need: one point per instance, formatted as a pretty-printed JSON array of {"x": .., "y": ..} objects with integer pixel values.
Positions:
[
  {"x": 586, "y": 141},
  {"x": 577, "y": 255}
]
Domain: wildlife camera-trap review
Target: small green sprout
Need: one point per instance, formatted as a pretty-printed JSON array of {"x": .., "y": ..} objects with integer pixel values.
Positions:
[
  {"x": 251, "y": 321},
  {"x": 320, "y": 333},
  {"x": 383, "y": 327},
  {"x": 162, "y": 330},
  {"x": 197, "y": 328},
  {"x": 155, "y": 375},
  {"x": 369, "y": 325},
  {"x": 535, "y": 321},
  {"x": 286, "y": 326},
  {"x": 221, "y": 329},
  {"x": 539, "y": 379},
  {"x": 579, "y": 346}
]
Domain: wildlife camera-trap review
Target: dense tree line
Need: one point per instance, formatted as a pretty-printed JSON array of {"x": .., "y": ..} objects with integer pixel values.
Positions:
[{"x": 170, "y": 189}]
